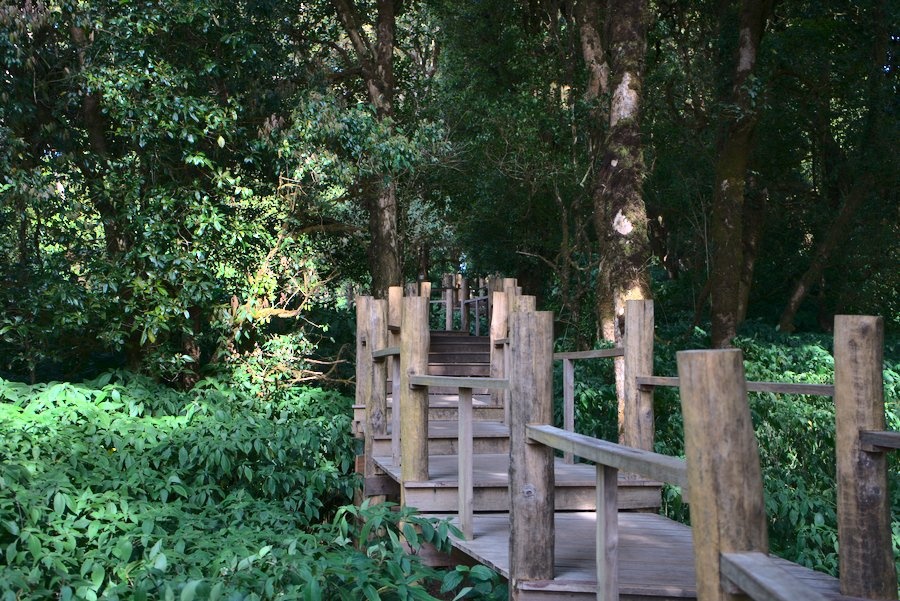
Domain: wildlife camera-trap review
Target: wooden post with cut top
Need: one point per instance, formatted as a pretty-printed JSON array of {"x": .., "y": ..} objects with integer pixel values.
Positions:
[
  {"x": 863, "y": 503},
  {"x": 395, "y": 315},
  {"x": 531, "y": 478},
  {"x": 499, "y": 330},
  {"x": 638, "y": 415},
  {"x": 414, "y": 338},
  {"x": 376, "y": 407},
  {"x": 724, "y": 476}
]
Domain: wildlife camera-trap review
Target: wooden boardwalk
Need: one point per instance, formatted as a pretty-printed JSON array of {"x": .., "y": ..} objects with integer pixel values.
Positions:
[{"x": 477, "y": 447}]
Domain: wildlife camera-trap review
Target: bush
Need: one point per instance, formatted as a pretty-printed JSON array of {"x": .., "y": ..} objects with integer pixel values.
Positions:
[{"x": 121, "y": 489}]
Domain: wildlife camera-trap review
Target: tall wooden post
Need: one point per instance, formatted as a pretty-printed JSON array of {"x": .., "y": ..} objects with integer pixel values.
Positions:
[
  {"x": 499, "y": 330},
  {"x": 863, "y": 505},
  {"x": 395, "y": 315},
  {"x": 463, "y": 307},
  {"x": 531, "y": 481},
  {"x": 637, "y": 424},
  {"x": 414, "y": 338},
  {"x": 447, "y": 282},
  {"x": 376, "y": 408},
  {"x": 727, "y": 509},
  {"x": 363, "y": 357}
]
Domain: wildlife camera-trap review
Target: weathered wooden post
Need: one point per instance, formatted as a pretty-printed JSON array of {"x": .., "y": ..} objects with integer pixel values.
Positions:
[
  {"x": 638, "y": 428},
  {"x": 425, "y": 289},
  {"x": 863, "y": 505},
  {"x": 363, "y": 357},
  {"x": 568, "y": 385},
  {"x": 447, "y": 282},
  {"x": 463, "y": 307},
  {"x": 724, "y": 476},
  {"x": 531, "y": 481},
  {"x": 395, "y": 314},
  {"x": 414, "y": 338},
  {"x": 498, "y": 332},
  {"x": 376, "y": 408}
]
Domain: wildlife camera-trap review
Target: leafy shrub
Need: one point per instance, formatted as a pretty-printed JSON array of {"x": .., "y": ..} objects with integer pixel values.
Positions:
[{"x": 119, "y": 488}]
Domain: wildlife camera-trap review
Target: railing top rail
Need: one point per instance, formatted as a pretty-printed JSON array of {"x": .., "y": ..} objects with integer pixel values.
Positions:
[
  {"x": 390, "y": 351},
  {"x": 779, "y": 387},
  {"x": 879, "y": 440},
  {"x": 459, "y": 382},
  {"x": 474, "y": 299},
  {"x": 762, "y": 579},
  {"x": 594, "y": 354},
  {"x": 664, "y": 468}
]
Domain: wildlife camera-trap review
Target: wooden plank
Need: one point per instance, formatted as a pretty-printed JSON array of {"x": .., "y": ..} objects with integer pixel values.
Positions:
[
  {"x": 866, "y": 559},
  {"x": 879, "y": 441},
  {"x": 390, "y": 351},
  {"x": 727, "y": 508},
  {"x": 638, "y": 409},
  {"x": 652, "y": 465},
  {"x": 595, "y": 354},
  {"x": 466, "y": 496},
  {"x": 381, "y": 485},
  {"x": 763, "y": 580},
  {"x": 499, "y": 329},
  {"x": 376, "y": 407},
  {"x": 414, "y": 340},
  {"x": 776, "y": 387},
  {"x": 531, "y": 477},
  {"x": 396, "y": 411},
  {"x": 459, "y": 382},
  {"x": 607, "y": 553},
  {"x": 463, "y": 308}
]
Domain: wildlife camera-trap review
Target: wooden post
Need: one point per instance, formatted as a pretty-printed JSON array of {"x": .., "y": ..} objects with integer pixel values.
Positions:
[
  {"x": 414, "y": 338},
  {"x": 411, "y": 289},
  {"x": 568, "y": 384},
  {"x": 725, "y": 480},
  {"x": 531, "y": 481},
  {"x": 863, "y": 505},
  {"x": 499, "y": 330},
  {"x": 607, "y": 533},
  {"x": 447, "y": 283},
  {"x": 524, "y": 303},
  {"x": 463, "y": 307},
  {"x": 363, "y": 356},
  {"x": 425, "y": 289},
  {"x": 638, "y": 415},
  {"x": 466, "y": 451},
  {"x": 376, "y": 408},
  {"x": 395, "y": 316}
]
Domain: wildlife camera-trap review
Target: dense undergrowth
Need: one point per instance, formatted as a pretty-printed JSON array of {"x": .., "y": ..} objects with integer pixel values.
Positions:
[
  {"x": 795, "y": 432},
  {"x": 122, "y": 489}
]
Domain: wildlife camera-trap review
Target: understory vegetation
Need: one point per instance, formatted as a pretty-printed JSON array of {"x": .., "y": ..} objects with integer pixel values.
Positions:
[
  {"x": 795, "y": 432},
  {"x": 119, "y": 488}
]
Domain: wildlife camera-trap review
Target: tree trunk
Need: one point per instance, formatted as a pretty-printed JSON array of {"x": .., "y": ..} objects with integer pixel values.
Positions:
[
  {"x": 735, "y": 146},
  {"x": 620, "y": 217},
  {"x": 376, "y": 59}
]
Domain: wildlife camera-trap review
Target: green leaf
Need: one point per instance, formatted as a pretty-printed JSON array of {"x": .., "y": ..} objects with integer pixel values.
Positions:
[
  {"x": 189, "y": 592},
  {"x": 216, "y": 593},
  {"x": 161, "y": 563},
  {"x": 451, "y": 580}
]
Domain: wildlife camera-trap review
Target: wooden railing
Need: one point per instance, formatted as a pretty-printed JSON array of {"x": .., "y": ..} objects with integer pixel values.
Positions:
[{"x": 722, "y": 477}]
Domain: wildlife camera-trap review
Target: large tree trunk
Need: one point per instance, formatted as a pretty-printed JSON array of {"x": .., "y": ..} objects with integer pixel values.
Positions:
[
  {"x": 735, "y": 146},
  {"x": 376, "y": 59},
  {"x": 620, "y": 217}
]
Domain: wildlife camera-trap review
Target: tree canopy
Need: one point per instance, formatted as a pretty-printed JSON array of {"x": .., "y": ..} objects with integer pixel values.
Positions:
[{"x": 183, "y": 183}]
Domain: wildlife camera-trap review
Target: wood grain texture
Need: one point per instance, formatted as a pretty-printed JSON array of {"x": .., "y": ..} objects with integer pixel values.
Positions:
[
  {"x": 414, "y": 339},
  {"x": 459, "y": 382},
  {"x": 531, "y": 477},
  {"x": 568, "y": 385},
  {"x": 604, "y": 353},
  {"x": 776, "y": 387},
  {"x": 638, "y": 415},
  {"x": 638, "y": 461},
  {"x": 607, "y": 532},
  {"x": 466, "y": 451},
  {"x": 724, "y": 475},
  {"x": 363, "y": 367},
  {"x": 376, "y": 407},
  {"x": 499, "y": 329},
  {"x": 864, "y": 520},
  {"x": 763, "y": 579},
  {"x": 879, "y": 441}
]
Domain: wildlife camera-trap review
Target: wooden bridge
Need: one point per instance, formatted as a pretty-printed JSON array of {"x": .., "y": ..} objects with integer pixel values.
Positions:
[{"x": 460, "y": 425}]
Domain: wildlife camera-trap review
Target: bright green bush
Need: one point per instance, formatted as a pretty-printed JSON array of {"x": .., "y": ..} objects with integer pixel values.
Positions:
[{"x": 121, "y": 489}]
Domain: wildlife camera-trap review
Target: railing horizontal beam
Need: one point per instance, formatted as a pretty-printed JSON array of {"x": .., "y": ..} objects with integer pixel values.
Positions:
[
  {"x": 390, "y": 351},
  {"x": 595, "y": 354},
  {"x": 459, "y": 382},
  {"x": 760, "y": 578},
  {"x": 778, "y": 387},
  {"x": 646, "y": 463},
  {"x": 878, "y": 441}
]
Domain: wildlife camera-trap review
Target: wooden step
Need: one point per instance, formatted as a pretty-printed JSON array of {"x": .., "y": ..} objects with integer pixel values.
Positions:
[
  {"x": 442, "y": 407},
  {"x": 487, "y": 437},
  {"x": 459, "y": 357},
  {"x": 575, "y": 485},
  {"x": 459, "y": 369}
]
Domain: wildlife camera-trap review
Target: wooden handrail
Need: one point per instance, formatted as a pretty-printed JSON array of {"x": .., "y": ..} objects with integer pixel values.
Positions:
[
  {"x": 879, "y": 441},
  {"x": 664, "y": 468},
  {"x": 459, "y": 382},
  {"x": 762, "y": 579},
  {"x": 602, "y": 353},
  {"x": 778, "y": 387},
  {"x": 390, "y": 351}
]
